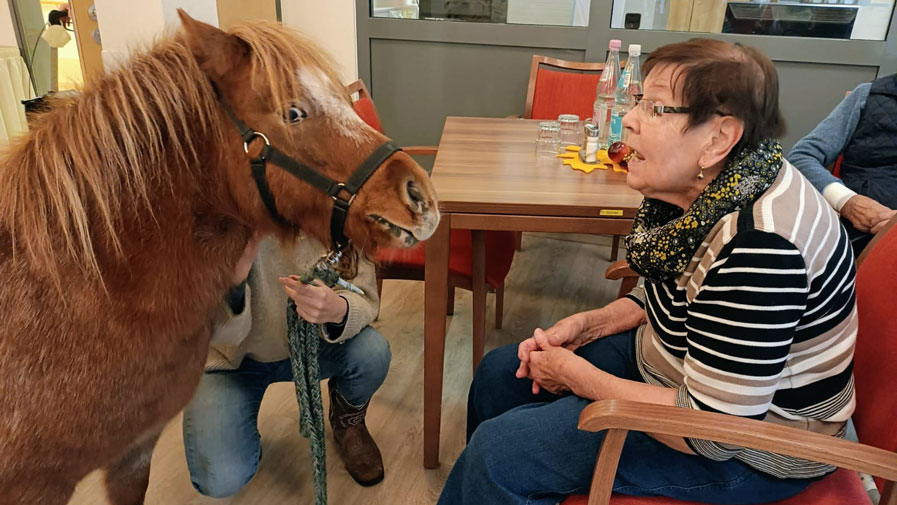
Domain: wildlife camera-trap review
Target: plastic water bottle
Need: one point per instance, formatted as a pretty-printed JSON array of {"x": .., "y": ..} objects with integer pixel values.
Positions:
[
  {"x": 629, "y": 86},
  {"x": 604, "y": 93}
]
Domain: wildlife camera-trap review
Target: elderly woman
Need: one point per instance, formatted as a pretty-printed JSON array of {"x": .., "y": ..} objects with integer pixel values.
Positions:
[{"x": 747, "y": 309}]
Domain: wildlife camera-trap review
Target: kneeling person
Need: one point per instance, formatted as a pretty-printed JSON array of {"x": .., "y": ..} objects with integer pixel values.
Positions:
[{"x": 249, "y": 352}]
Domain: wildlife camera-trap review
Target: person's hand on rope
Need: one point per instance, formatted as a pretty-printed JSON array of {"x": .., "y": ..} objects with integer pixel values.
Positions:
[
  {"x": 316, "y": 303},
  {"x": 244, "y": 264}
]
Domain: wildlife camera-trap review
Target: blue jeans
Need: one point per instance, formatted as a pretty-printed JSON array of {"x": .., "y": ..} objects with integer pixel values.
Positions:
[
  {"x": 526, "y": 449},
  {"x": 221, "y": 438}
]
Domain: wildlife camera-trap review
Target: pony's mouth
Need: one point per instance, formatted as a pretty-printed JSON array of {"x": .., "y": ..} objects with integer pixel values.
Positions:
[{"x": 401, "y": 234}]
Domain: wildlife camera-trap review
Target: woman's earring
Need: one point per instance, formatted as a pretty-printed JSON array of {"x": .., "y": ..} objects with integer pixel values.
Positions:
[{"x": 701, "y": 174}]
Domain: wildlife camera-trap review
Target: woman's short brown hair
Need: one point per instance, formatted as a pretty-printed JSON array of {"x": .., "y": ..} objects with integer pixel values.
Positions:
[{"x": 718, "y": 77}]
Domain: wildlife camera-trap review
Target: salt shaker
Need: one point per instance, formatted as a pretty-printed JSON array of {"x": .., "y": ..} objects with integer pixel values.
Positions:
[{"x": 590, "y": 143}]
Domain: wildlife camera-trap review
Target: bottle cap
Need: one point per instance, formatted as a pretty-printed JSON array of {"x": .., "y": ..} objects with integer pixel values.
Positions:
[
  {"x": 635, "y": 49},
  {"x": 615, "y": 44}
]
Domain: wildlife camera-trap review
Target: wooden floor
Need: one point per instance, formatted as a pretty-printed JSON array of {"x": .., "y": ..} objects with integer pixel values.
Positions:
[{"x": 553, "y": 276}]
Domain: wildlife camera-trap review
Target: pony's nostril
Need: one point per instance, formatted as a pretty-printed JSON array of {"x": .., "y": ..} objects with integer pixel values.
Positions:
[{"x": 415, "y": 195}]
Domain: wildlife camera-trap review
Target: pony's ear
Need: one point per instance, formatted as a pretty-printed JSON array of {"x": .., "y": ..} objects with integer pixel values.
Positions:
[{"x": 217, "y": 52}]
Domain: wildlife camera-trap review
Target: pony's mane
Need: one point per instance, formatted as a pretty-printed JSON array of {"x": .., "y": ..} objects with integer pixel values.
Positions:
[{"x": 124, "y": 137}]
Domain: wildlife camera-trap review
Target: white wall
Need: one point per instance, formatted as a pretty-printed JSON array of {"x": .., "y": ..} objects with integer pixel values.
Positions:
[
  {"x": 126, "y": 25},
  {"x": 201, "y": 10},
  {"x": 7, "y": 30},
  {"x": 331, "y": 24}
]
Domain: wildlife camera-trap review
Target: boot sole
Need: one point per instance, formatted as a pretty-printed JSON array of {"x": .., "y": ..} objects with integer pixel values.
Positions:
[{"x": 368, "y": 483}]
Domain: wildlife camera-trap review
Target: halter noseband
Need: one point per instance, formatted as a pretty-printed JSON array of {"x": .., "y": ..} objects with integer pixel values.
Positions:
[{"x": 316, "y": 179}]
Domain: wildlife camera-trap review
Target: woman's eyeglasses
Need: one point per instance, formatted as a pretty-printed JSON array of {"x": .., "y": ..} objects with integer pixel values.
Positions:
[{"x": 651, "y": 108}]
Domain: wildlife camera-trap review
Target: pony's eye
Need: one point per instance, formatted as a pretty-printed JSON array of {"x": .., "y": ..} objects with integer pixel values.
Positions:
[{"x": 294, "y": 115}]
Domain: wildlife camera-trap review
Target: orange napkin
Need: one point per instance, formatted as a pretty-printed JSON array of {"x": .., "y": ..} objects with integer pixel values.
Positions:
[{"x": 572, "y": 159}]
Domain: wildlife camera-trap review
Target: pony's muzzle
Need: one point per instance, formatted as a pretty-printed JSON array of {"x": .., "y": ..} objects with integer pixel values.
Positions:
[
  {"x": 423, "y": 207},
  {"x": 430, "y": 220}
]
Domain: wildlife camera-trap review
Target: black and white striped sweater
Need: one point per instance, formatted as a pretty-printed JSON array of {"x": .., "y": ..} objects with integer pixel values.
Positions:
[{"x": 762, "y": 323}]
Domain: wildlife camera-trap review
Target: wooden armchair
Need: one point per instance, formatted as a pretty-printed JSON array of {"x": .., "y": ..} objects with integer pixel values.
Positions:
[
  {"x": 620, "y": 270},
  {"x": 876, "y": 402}
]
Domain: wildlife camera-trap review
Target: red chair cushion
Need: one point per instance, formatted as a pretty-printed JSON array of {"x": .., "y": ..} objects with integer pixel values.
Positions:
[
  {"x": 876, "y": 346},
  {"x": 499, "y": 255},
  {"x": 839, "y": 488},
  {"x": 365, "y": 109},
  {"x": 564, "y": 93}
]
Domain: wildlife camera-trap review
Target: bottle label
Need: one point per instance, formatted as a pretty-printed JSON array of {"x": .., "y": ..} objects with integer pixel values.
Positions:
[
  {"x": 599, "y": 114},
  {"x": 616, "y": 128}
]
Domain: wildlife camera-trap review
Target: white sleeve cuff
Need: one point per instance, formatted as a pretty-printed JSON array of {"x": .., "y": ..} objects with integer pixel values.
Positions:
[{"x": 837, "y": 195}]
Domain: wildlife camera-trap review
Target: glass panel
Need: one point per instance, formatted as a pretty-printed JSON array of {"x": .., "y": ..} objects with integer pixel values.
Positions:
[
  {"x": 834, "y": 19},
  {"x": 527, "y": 12}
]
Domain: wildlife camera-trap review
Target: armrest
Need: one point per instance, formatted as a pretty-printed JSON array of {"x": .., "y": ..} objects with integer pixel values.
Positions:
[
  {"x": 618, "y": 270},
  {"x": 680, "y": 422},
  {"x": 421, "y": 150}
]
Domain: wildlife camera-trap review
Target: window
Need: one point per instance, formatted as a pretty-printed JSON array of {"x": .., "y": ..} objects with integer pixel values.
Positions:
[
  {"x": 527, "y": 12},
  {"x": 836, "y": 19}
]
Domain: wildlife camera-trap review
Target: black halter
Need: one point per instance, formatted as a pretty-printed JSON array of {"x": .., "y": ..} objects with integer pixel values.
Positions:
[{"x": 319, "y": 181}]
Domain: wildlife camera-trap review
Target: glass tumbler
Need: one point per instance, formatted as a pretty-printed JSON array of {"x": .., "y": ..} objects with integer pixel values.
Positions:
[
  {"x": 570, "y": 133},
  {"x": 548, "y": 140}
]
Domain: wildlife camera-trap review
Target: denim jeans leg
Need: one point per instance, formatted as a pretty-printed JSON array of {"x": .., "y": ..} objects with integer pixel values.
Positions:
[
  {"x": 358, "y": 365},
  {"x": 496, "y": 390},
  {"x": 221, "y": 438},
  {"x": 650, "y": 468},
  {"x": 534, "y": 454}
]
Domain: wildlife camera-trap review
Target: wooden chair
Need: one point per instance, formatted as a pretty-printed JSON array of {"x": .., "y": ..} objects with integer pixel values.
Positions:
[
  {"x": 621, "y": 270},
  {"x": 876, "y": 402},
  {"x": 563, "y": 87},
  {"x": 408, "y": 264}
]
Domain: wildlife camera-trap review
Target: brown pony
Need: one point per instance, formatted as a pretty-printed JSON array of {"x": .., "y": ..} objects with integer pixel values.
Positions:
[{"x": 122, "y": 216}]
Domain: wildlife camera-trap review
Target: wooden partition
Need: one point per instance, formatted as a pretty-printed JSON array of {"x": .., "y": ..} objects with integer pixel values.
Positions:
[
  {"x": 90, "y": 52},
  {"x": 231, "y": 12}
]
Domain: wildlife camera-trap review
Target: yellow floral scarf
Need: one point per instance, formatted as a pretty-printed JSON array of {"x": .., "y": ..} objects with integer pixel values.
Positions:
[{"x": 664, "y": 239}]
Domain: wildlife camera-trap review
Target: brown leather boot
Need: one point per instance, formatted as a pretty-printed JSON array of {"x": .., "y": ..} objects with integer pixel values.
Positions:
[{"x": 356, "y": 447}]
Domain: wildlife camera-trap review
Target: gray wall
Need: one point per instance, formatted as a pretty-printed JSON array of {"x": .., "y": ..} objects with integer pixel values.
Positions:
[{"x": 421, "y": 71}]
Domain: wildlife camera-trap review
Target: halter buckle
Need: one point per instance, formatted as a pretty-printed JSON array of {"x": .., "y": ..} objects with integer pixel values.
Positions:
[
  {"x": 254, "y": 136},
  {"x": 348, "y": 202}
]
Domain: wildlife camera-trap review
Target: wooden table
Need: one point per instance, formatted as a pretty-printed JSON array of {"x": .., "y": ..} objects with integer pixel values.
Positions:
[{"x": 488, "y": 177}]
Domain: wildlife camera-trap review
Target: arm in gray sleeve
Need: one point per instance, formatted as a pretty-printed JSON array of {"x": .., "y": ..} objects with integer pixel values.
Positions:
[{"x": 827, "y": 141}]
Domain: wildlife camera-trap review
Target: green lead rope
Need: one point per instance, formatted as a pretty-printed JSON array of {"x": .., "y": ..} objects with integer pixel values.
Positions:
[{"x": 302, "y": 337}]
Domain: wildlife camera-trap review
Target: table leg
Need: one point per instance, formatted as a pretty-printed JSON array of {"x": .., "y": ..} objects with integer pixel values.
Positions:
[
  {"x": 479, "y": 295},
  {"x": 435, "y": 299}
]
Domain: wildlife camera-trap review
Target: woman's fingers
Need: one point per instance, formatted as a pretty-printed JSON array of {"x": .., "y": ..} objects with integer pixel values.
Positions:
[{"x": 541, "y": 339}]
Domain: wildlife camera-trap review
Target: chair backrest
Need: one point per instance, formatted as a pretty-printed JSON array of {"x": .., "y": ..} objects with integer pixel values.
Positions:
[
  {"x": 553, "y": 92},
  {"x": 364, "y": 105},
  {"x": 876, "y": 345}
]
